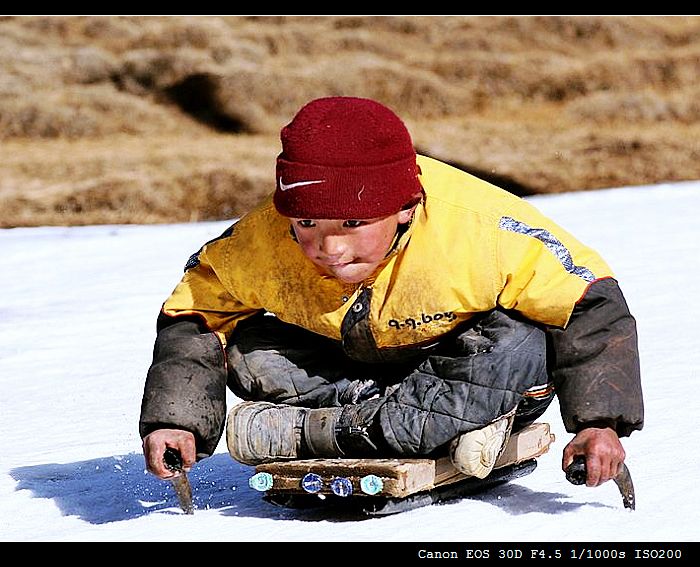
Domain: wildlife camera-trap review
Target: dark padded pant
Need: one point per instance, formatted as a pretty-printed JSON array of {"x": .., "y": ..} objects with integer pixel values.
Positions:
[{"x": 474, "y": 376}]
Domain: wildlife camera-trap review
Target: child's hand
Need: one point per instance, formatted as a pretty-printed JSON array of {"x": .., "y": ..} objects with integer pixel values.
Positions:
[
  {"x": 602, "y": 450},
  {"x": 155, "y": 444}
]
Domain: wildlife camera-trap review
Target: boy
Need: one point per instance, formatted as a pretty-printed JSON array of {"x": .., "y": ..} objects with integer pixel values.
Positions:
[{"x": 384, "y": 304}]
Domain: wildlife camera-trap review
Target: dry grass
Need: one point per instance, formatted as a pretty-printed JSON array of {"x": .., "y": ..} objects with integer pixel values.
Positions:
[{"x": 170, "y": 119}]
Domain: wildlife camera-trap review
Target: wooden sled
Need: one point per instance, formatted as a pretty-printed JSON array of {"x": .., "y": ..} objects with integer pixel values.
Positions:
[{"x": 390, "y": 478}]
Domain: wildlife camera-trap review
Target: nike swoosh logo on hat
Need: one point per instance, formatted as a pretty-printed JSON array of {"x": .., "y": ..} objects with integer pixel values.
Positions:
[{"x": 285, "y": 187}]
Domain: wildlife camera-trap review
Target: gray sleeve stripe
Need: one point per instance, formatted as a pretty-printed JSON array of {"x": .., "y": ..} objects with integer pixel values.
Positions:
[{"x": 552, "y": 244}]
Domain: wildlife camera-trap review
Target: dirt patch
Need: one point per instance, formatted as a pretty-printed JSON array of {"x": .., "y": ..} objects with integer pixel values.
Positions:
[{"x": 110, "y": 119}]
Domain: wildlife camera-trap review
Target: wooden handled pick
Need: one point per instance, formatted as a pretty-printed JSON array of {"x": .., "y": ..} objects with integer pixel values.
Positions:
[
  {"x": 576, "y": 474},
  {"x": 180, "y": 482}
]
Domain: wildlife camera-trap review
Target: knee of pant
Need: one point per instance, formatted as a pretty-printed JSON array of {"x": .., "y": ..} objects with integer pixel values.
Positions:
[
  {"x": 501, "y": 331},
  {"x": 258, "y": 374}
]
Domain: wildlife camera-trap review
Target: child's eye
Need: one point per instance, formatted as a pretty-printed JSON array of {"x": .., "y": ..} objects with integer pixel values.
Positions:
[
  {"x": 352, "y": 223},
  {"x": 306, "y": 223}
]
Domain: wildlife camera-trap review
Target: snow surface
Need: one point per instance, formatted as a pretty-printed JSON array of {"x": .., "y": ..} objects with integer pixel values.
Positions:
[{"x": 77, "y": 324}]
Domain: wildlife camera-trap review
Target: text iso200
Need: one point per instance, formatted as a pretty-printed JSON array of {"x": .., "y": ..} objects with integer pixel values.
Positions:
[{"x": 657, "y": 554}]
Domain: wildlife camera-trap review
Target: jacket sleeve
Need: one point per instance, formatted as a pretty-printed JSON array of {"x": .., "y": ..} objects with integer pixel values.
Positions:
[
  {"x": 594, "y": 362},
  {"x": 186, "y": 383}
]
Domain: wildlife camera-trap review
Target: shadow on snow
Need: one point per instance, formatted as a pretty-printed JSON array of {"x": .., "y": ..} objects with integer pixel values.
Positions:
[{"x": 112, "y": 489}]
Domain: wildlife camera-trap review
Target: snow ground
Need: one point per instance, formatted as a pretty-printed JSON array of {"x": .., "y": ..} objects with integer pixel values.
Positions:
[{"x": 77, "y": 321}]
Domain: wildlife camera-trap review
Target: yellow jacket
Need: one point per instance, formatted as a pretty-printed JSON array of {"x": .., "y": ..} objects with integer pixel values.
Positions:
[{"x": 470, "y": 247}]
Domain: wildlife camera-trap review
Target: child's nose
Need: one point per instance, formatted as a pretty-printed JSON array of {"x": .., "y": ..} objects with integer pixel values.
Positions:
[{"x": 332, "y": 246}]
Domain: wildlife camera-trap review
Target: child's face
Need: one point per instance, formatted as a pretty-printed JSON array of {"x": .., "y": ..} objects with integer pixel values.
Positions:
[{"x": 349, "y": 250}]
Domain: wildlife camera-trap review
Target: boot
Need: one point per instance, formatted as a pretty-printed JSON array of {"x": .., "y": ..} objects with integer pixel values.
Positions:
[
  {"x": 357, "y": 431},
  {"x": 475, "y": 453},
  {"x": 261, "y": 432}
]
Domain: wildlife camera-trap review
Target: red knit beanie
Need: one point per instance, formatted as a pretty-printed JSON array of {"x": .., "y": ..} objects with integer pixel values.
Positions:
[{"x": 345, "y": 158}]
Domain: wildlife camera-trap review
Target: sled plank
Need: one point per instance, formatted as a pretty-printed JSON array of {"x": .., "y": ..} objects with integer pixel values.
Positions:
[
  {"x": 446, "y": 473},
  {"x": 400, "y": 476}
]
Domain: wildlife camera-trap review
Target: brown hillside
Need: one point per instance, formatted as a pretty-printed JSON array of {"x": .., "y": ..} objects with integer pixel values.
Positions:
[{"x": 167, "y": 119}]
